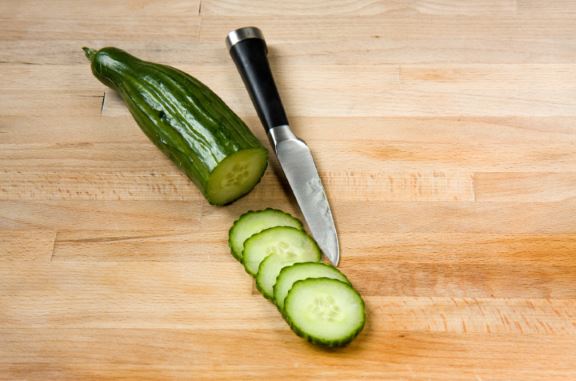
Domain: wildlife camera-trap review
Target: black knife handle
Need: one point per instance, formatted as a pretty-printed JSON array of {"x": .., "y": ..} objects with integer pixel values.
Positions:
[{"x": 248, "y": 50}]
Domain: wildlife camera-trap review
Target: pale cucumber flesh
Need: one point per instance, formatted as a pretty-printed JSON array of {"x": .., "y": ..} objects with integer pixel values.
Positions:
[
  {"x": 236, "y": 175},
  {"x": 299, "y": 271},
  {"x": 253, "y": 222},
  {"x": 281, "y": 240},
  {"x": 271, "y": 266},
  {"x": 325, "y": 311}
]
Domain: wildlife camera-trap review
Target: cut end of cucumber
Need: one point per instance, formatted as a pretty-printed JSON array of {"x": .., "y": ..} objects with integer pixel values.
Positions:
[
  {"x": 236, "y": 175},
  {"x": 325, "y": 311}
]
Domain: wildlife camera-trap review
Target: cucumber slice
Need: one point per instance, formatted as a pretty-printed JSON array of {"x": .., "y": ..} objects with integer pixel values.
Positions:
[
  {"x": 272, "y": 265},
  {"x": 325, "y": 311},
  {"x": 253, "y": 222},
  {"x": 286, "y": 241},
  {"x": 298, "y": 271}
]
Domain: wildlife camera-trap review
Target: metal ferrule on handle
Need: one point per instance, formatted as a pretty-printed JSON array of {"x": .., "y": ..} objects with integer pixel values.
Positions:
[
  {"x": 241, "y": 34},
  {"x": 279, "y": 134}
]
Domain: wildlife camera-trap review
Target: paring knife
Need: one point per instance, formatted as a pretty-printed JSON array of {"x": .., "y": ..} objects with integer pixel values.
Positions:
[{"x": 248, "y": 50}]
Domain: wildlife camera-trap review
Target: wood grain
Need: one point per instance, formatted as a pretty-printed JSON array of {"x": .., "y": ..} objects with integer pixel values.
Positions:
[
  {"x": 443, "y": 130},
  {"x": 461, "y": 248},
  {"x": 532, "y": 186},
  {"x": 26, "y": 9},
  {"x": 27, "y": 245},
  {"x": 408, "y": 90},
  {"x": 61, "y": 19},
  {"x": 176, "y": 354},
  {"x": 554, "y": 7},
  {"x": 358, "y": 8},
  {"x": 97, "y": 215},
  {"x": 376, "y": 155}
]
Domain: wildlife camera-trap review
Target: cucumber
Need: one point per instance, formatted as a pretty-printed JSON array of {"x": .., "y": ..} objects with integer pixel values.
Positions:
[
  {"x": 253, "y": 222},
  {"x": 188, "y": 122},
  {"x": 271, "y": 266},
  {"x": 285, "y": 241},
  {"x": 298, "y": 271},
  {"x": 325, "y": 311}
]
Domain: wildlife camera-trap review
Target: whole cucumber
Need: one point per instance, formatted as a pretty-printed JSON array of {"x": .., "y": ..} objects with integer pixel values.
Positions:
[{"x": 187, "y": 121}]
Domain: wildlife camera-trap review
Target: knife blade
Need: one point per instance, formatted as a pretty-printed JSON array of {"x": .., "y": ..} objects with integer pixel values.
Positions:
[{"x": 249, "y": 52}]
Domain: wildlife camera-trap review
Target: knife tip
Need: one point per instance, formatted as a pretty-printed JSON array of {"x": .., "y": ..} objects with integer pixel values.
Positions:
[{"x": 333, "y": 255}]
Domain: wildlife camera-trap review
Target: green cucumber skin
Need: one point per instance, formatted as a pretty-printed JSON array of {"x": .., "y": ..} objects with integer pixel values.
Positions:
[
  {"x": 180, "y": 115},
  {"x": 327, "y": 344},
  {"x": 250, "y": 212},
  {"x": 260, "y": 290}
]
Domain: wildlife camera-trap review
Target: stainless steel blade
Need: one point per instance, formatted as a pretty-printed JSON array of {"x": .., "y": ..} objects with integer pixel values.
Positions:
[{"x": 298, "y": 165}]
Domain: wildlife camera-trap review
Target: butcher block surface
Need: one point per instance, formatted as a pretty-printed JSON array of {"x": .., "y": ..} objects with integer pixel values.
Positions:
[{"x": 444, "y": 132}]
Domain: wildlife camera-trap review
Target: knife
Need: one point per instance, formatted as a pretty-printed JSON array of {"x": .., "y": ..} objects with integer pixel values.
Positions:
[{"x": 248, "y": 50}]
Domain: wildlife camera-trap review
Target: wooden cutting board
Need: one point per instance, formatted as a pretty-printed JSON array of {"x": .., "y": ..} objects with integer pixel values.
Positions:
[{"x": 445, "y": 133}]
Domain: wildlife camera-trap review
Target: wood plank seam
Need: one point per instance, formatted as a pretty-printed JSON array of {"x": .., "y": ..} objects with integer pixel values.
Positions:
[
  {"x": 102, "y": 104},
  {"x": 54, "y": 246}
]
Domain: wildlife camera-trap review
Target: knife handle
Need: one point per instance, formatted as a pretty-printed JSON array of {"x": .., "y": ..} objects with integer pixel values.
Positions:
[{"x": 248, "y": 50}]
